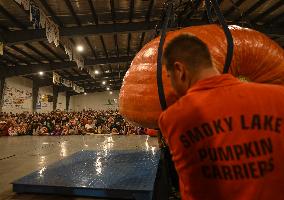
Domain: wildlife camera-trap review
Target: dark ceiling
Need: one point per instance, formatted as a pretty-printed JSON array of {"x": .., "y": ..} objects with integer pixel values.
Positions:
[{"x": 111, "y": 32}]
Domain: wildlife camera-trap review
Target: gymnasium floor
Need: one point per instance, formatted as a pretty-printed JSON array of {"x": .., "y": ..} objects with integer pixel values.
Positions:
[{"x": 22, "y": 155}]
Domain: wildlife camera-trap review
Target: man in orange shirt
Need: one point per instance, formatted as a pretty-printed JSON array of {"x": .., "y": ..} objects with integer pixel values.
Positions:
[{"x": 225, "y": 136}]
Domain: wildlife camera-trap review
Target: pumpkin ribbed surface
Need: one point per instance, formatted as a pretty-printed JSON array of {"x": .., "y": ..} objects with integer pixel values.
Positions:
[{"x": 256, "y": 58}]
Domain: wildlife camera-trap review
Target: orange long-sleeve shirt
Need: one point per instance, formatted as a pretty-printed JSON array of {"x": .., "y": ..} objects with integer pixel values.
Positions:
[{"x": 227, "y": 140}]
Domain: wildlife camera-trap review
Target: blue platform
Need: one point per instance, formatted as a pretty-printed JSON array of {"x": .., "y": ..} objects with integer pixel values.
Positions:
[{"x": 112, "y": 174}]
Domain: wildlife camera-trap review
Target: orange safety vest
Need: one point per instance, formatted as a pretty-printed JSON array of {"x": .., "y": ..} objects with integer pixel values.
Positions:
[{"x": 227, "y": 140}]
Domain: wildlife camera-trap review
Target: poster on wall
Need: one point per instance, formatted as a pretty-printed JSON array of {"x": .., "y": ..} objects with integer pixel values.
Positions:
[
  {"x": 38, "y": 105},
  {"x": 15, "y": 98},
  {"x": 45, "y": 100},
  {"x": 111, "y": 102},
  {"x": 44, "y": 105}
]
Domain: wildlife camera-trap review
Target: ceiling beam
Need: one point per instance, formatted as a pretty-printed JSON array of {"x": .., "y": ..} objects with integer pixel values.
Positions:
[
  {"x": 38, "y": 52},
  {"x": 96, "y": 20},
  {"x": 9, "y": 60},
  {"x": 79, "y": 80},
  {"x": 233, "y": 7},
  {"x": 95, "y": 16},
  {"x": 104, "y": 46},
  {"x": 13, "y": 56},
  {"x": 67, "y": 73},
  {"x": 266, "y": 29},
  {"x": 149, "y": 11},
  {"x": 116, "y": 45},
  {"x": 119, "y": 75},
  {"x": 73, "y": 13},
  {"x": 204, "y": 15},
  {"x": 48, "y": 48},
  {"x": 12, "y": 37},
  {"x": 113, "y": 76},
  {"x": 277, "y": 5},
  {"x": 96, "y": 90},
  {"x": 128, "y": 43},
  {"x": 27, "y": 36},
  {"x": 57, "y": 66},
  {"x": 113, "y": 16},
  {"x": 131, "y": 11},
  {"x": 141, "y": 40},
  {"x": 275, "y": 19},
  {"x": 11, "y": 18},
  {"x": 186, "y": 9},
  {"x": 91, "y": 47},
  {"x": 105, "y": 15},
  {"x": 147, "y": 20},
  {"x": 271, "y": 30},
  {"x": 250, "y": 10},
  {"x": 196, "y": 6},
  {"x": 54, "y": 17},
  {"x": 25, "y": 53},
  {"x": 71, "y": 9},
  {"x": 20, "y": 25},
  {"x": 77, "y": 71}
]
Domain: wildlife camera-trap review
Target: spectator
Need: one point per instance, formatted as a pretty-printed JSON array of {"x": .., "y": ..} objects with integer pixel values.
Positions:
[
  {"x": 57, "y": 131},
  {"x": 63, "y": 123},
  {"x": 43, "y": 131},
  {"x": 4, "y": 128},
  {"x": 65, "y": 130},
  {"x": 114, "y": 131},
  {"x": 90, "y": 126}
]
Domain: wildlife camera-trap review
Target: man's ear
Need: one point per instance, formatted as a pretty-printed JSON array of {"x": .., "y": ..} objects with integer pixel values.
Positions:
[{"x": 180, "y": 70}]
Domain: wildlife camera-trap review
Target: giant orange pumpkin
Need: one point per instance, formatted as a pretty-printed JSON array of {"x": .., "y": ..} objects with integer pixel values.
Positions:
[
  {"x": 152, "y": 132},
  {"x": 256, "y": 57}
]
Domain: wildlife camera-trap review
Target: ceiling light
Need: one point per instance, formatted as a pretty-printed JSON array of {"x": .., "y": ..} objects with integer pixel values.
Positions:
[
  {"x": 40, "y": 73},
  {"x": 110, "y": 92},
  {"x": 103, "y": 82},
  {"x": 107, "y": 88},
  {"x": 97, "y": 72},
  {"x": 80, "y": 48},
  {"x": 85, "y": 93}
]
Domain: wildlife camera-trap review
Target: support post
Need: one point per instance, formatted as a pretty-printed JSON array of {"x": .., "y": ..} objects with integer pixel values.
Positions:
[
  {"x": 67, "y": 100},
  {"x": 35, "y": 95},
  {"x": 2, "y": 90},
  {"x": 55, "y": 96}
]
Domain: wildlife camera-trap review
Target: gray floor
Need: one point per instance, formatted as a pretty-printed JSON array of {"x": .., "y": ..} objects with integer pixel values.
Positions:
[{"x": 22, "y": 155}]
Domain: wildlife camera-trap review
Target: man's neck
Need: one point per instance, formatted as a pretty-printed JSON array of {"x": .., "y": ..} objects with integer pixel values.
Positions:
[{"x": 204, "y": 74}]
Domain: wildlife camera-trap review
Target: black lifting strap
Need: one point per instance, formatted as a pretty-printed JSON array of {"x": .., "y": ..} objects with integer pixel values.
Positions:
[
  {"x": 161, "y": 93},
  {"x": 229, "y": 38},
  {"x": 169, "y": 166}
]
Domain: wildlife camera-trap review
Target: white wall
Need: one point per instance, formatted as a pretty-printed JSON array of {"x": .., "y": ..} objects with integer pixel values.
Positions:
[
  {"x": 61, "y": 101},
  {"x": 95, "y": 101},
  {"x": 71, "y": 103},
  {"x": 17, "y": 95}
]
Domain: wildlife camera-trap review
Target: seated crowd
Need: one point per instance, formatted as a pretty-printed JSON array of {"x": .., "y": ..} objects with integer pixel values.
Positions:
[{"x": 66, "y": 123}]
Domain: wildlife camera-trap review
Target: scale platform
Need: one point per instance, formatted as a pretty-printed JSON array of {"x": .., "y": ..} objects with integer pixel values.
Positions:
[{"x": 106, "y": 174}]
